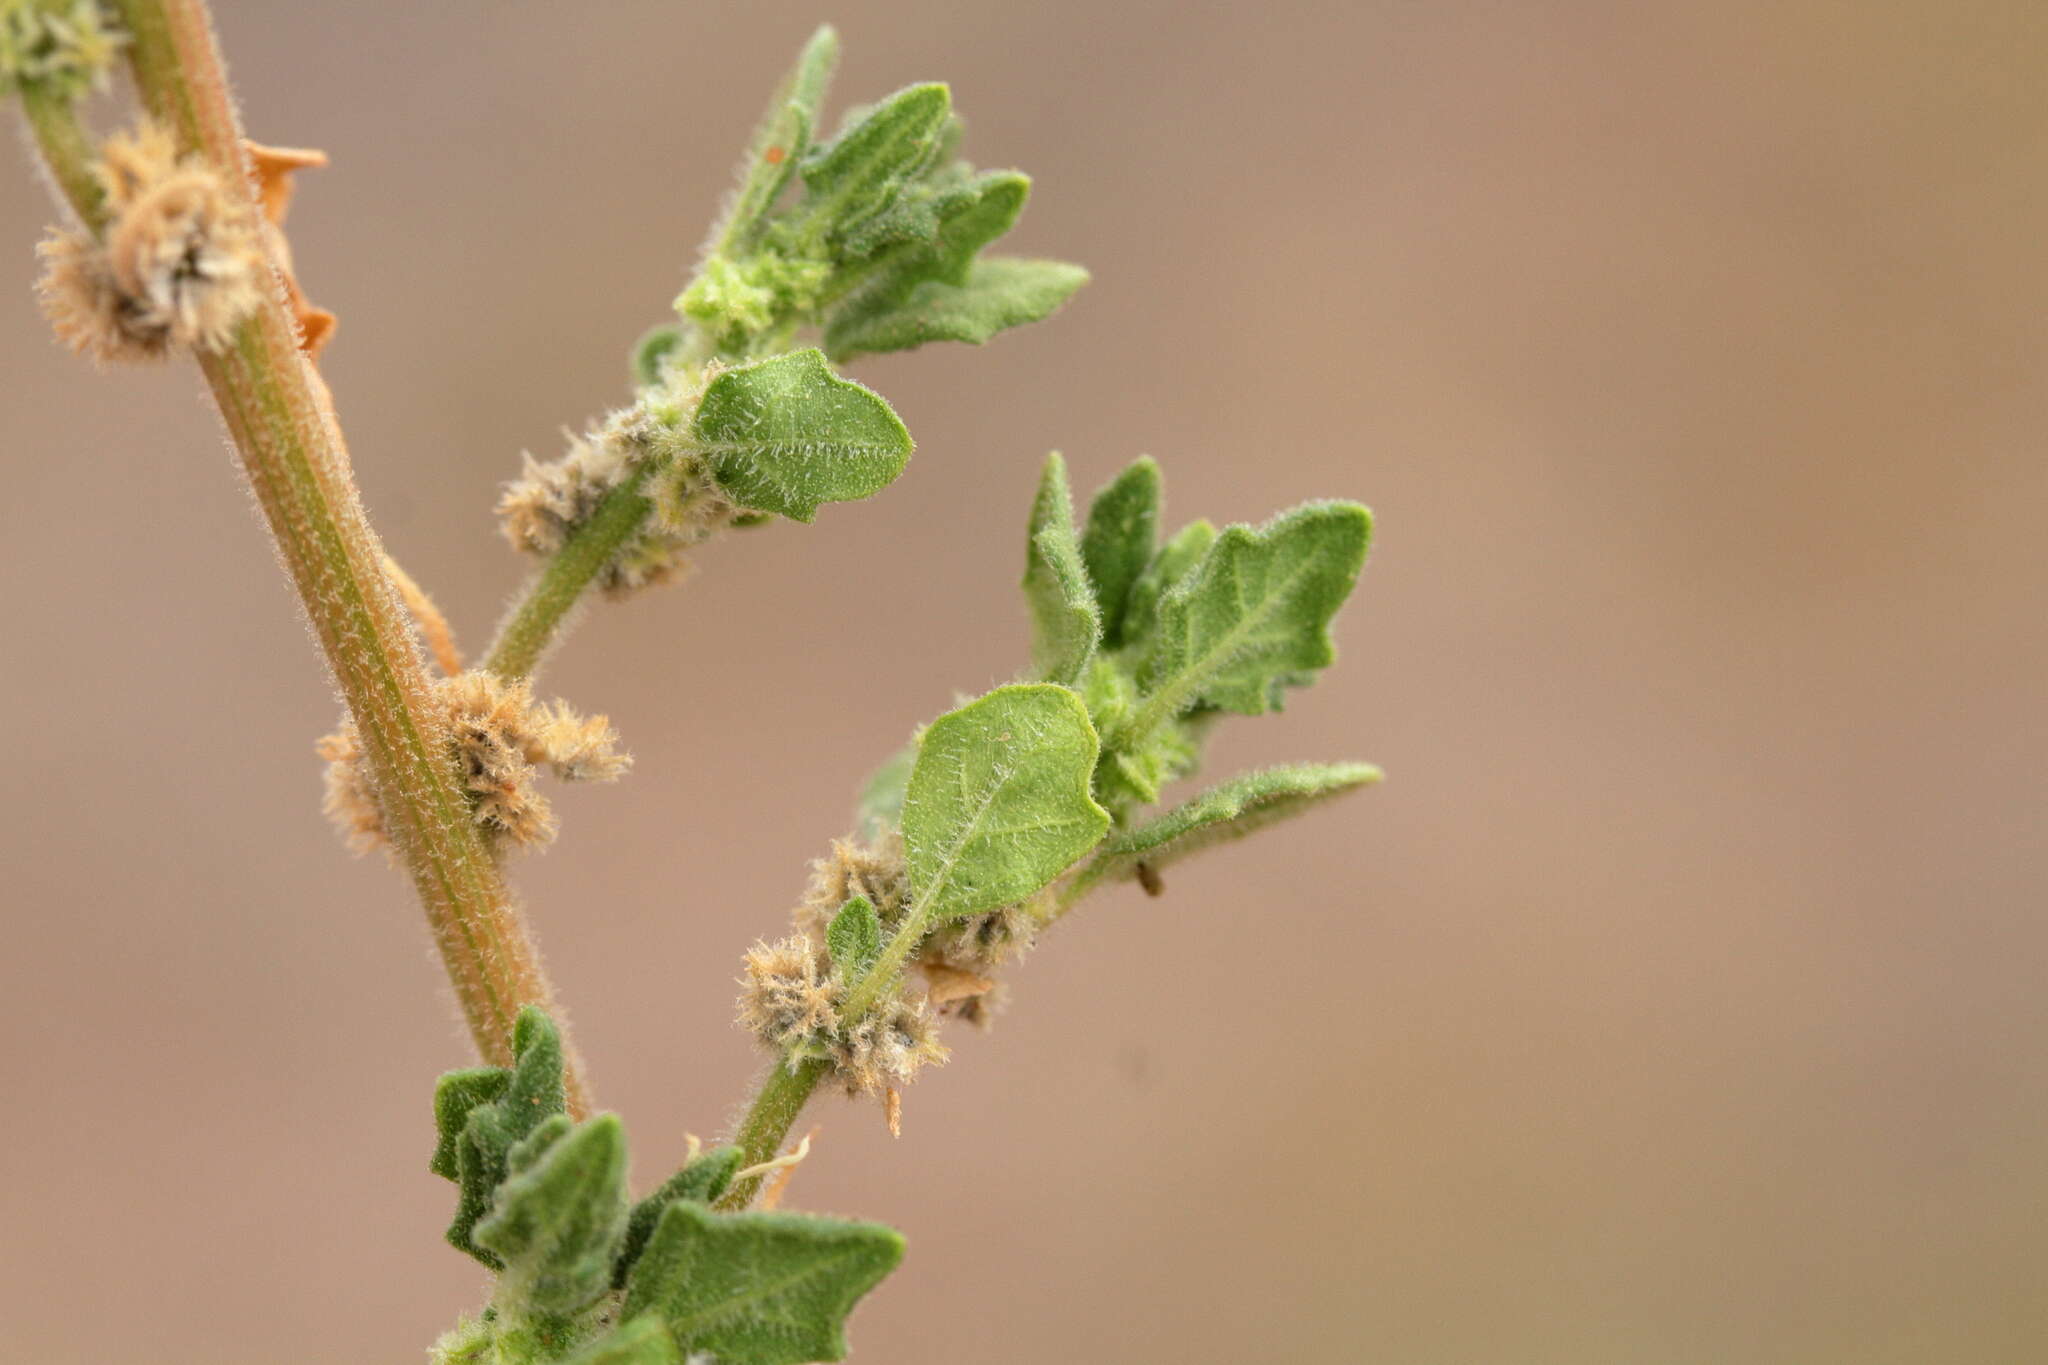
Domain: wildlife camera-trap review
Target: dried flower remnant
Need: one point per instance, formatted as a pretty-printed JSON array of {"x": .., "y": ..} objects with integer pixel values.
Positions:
[
  {"x": 877, "y": 871},
  {"x": 181, "y": 262},
  {"x": 790, "y": 1000},
  {"x": 501, "y": 739},
  {"x": 550, "y": 501},
  {"x": 274, "y": 168}
]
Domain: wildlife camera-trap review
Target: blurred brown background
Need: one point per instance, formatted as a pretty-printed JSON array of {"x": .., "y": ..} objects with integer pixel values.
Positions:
[{"x": 1677, "y": 1000}]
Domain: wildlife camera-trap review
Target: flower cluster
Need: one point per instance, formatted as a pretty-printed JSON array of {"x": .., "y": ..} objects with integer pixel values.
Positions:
[{"x": 180, "y": 263}]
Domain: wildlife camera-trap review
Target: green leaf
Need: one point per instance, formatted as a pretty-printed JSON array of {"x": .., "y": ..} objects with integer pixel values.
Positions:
[
  {"x": 759, "y": 1288},
  {"x": 1000, "y": 293},
  {"x": 455, "y": 1094},
  {"x": 702, "y": 1179},
  {"x": 1065, "y": 621},
  {"x": 880, "y": 806},
  {"x": 643, "y": 1341},
  {"x": 781, "y": 139},
  {"x": 862, "y": 172},
  {"x": 1241, "y": 806},
  {"x": 651, "y": 350},
  {"x": 854, "y": 938},
  {"x": 532, "y": 1093},
  {"x": 1117, "y": 546},
  {"x": 786, "y": 435},
  {"x": 1253, "y": 617},
  {"x": 998, "y": 803},
  {"x": 559, "y": 1217},
  {"x": 1174, "y": 561}
]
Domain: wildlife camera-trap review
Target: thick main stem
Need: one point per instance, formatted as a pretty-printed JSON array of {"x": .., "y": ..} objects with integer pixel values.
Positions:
[{"x": 282, "y": 421}]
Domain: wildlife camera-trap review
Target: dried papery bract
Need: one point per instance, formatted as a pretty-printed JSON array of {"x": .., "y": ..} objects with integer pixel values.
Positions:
[{"x": 180, "y": 262}]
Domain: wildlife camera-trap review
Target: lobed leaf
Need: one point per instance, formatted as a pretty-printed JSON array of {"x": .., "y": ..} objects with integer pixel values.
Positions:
[
  {"x": 1239, "y": 807},
  {"x": 998, "y": 803},
  {"x": 758, "y": 1288},
  {"x": 1118, "y": 544},
  {"x": 701, "y": 1180},
  {"x": 1252, "y": 618},
  {"x": 1000, "y": 293},
  {"x": 1176, "y": 558},
  {"x": 560, "y": 1215},
  {"x": 531, "y": 1093},
  {"x": 786, "y": 435},
  {"x": 1065, "y": 621},
  {"x": 869, "y": 165}
]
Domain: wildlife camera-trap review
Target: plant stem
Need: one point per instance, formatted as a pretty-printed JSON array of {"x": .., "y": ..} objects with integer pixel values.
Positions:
[
  {"x": 282, "y": 421},
  {"x": 778, "y": 1100},
  {"x": 67, "y": 151},
  {"x": 534, "y": 623}
]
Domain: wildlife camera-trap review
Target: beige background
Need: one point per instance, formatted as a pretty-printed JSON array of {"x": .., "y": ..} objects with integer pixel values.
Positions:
[{"x": 1679, "y": 998}]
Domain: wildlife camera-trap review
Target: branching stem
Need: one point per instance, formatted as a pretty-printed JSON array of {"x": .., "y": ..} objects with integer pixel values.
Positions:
[{"x": 282, "y": 422}]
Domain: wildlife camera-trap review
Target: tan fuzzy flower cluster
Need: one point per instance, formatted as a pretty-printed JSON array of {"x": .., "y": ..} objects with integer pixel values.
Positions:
[
  {"x": 501, "y": 738},
  {"x": 789, "y": 999},
  {"x": 960, "y": 962},
  {"x": 548, "y": 501},
  {"x": 181, "y": 262},
  {"x": 877, "y": 872}
]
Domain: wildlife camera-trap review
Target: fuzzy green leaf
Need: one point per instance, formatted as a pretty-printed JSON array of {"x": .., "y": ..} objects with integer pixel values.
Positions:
[
  {"x": 1117, "y": 546},
  {"x": 559, "y": 1217},
  {"x": 879, "y": 808},
  {"x": 863, "y": 171},
  {"x": 1065, "y": 621},
  {"x": 643, "y": 1341},
  {"x": 1253, "y": 617},
  {"x": 1176, "y": 558},
  {"x": 455, "y": 1094},
  {"x": 786, "y": 435},
  {"x": 854, "y": 938},
  {"x": 532, "y": 1093},
  {"x": 781, "y": 139},
  {"x": 998, "y": 803},
  {"x": 1000, "y": 293},
  {"x": 759, "y": 1288},
  {"x": 702, "y": 1180},
  {"x": 1241, "y": 806},
  {"x": 969, "y": 216}
]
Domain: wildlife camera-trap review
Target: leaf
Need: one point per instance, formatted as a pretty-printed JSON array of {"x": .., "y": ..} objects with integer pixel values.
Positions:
[
  {"x": 1241, "y": 806},
  {"x": 854, "y": 938},
  {"x": 643, "y": 1341},
  {"x": 1253, "y": 617},
  {"x": 455, "y": 1094},
  {"x": 1065, "y": 622},
  {"x": 969, "y": 216},
  {"x": 880, "y": 806},
  {"x": 861, "y": 173},
  {"x": 532, "y": 1092},
  {"x": 781, "y": 139},
  {"x": 1000, "y": 293},
  {"x": 1173, "y": 562},
  {"x": 759, "y": 1288},
  {"x": 998, "y": 802},
  {"x": 1123, "y": 528},
  {"x": 786, "y": 435},
  {"x": 700, "y": 1181},
  {"x": 559, "y": 1217}
]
